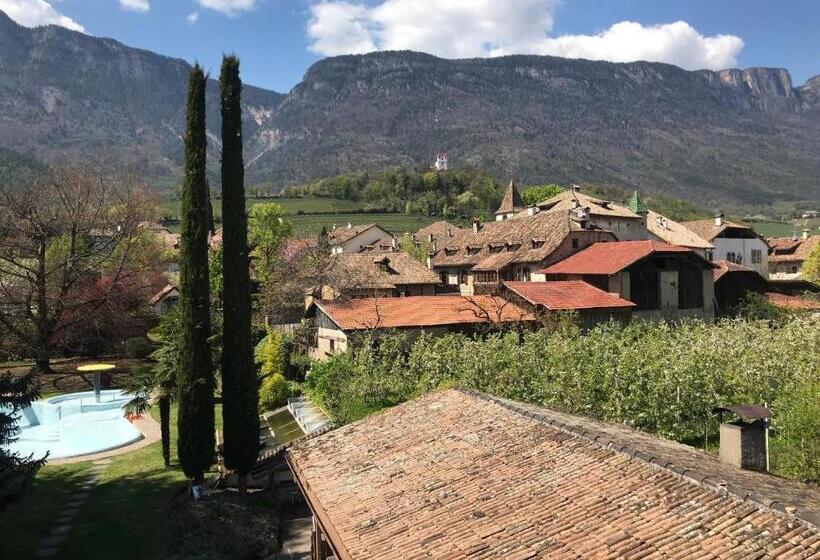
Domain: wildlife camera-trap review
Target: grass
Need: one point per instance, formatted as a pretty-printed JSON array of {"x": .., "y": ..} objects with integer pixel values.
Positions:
[
  {"x": 785, "y": 229},
  {"x": 126, "y": 516},
  {"x": 309, "y": 215}
]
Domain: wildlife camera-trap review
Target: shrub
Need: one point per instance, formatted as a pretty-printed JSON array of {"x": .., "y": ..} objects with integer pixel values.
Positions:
[
  {"x": 274, "y": 392},
  {"x": 268, "y": 354},
  {"x": 138, "y": 348}
]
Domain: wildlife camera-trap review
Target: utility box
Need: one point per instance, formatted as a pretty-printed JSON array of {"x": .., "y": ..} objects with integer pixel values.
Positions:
[{"x": 744, "y": 442}]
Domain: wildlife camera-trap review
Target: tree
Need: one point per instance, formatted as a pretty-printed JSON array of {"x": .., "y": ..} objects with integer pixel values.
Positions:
[
  {"x": 811, "y": 266},
  {"x": 15, "y": 472},
  {"x": 240, "y": 387},
  {"x": 70, "y": 244},
  {"x": 195, "y": 383},
  {"x": 534, "y": 195},
  {"x": 267, "y": 231}
]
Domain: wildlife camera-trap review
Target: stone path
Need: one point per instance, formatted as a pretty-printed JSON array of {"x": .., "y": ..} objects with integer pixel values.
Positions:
[{"x": 61, "y": 527}]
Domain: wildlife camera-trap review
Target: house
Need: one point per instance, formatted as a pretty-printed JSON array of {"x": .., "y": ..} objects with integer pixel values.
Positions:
[
  {"x": 512, "y": 249},
  {"x": 340, "y": 323},
  {"x": 511, "y": 204},
  {"x": 733, "y": 282},
  {"x": 373, "y": 274},
  {"x": 166, "y": 299},
  {"x": 355, "y": 239},
  {"x": 592, "y": 304},
  {"x": 662, "y": 280},
  {"x": 436, "y": 235},
  {"x": 626, "y": 224},
  {"x": 457, "y": 474},
  {"x": 786, "y": 255},
  {"x": 661, "y": 228},
  {"x": 733, "y": 242}
]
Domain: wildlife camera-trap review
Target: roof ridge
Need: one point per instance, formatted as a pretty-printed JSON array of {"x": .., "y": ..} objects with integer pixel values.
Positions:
[{"x": 605, "y": 441}]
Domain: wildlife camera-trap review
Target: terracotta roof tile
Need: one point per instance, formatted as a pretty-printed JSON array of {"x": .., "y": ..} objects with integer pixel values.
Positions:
[
  {"x": 421, "y": 311},
  {"x": 674, "y": 233},
  {"x": 569, "y": 294},
  {"x": 611, "y": 258},
  {"x": 457, "y": 475},
  {"x": 569, "y": 199},
  {"x": 342, "y": 234},
  {"x": 724, "y": 267},
  {"x": 511, "y": 202},
  {"x": 708, "y": 230},
  {"x": 787, "y": 249},
  {"x": 793, "y": 302},
  {"x": 378, "y": 270}
]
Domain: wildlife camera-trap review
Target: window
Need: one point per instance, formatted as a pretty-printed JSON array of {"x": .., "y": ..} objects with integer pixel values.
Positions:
[
  {"x": 443, "y": 276},
  {"x": 525, "y": 274},
  {"x": 710, "y": 255},
  {"x": 731, "y": 256},
  {"x": 473, "y": 250},
  {"x": 793, "y": 269},
  {"x": 756, "y": 256},
  {"x": 332, "y": 345}
]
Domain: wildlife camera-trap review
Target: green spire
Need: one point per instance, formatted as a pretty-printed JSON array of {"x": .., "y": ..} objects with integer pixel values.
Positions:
[{"x": 636, "y": 203}]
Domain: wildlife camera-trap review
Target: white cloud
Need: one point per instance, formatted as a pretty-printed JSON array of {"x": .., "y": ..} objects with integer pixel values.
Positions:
[
  {"x": 481, "y": 28},
  {"x": 230, "y": 7},
  {"x": 192, "y": 18},
  {"x": 32, "y": 13},
  {"x": 135, "y": 5}
]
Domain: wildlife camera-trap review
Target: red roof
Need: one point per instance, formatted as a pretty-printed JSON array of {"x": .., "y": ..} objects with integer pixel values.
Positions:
[
  {"x": 793, "y": 302},
  {"x": 570, "y": 294},
  {"x": 724, "y": 267},
  {"x": 611, "y": 258},
  {"x": 421, "y": 311}
]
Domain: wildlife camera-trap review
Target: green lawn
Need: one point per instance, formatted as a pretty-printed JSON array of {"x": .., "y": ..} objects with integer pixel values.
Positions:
[{"x": 126, "y": 516}]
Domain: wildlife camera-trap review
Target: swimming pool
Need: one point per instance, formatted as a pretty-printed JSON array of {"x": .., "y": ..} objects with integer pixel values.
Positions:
[{"x": 74, "y": 424}]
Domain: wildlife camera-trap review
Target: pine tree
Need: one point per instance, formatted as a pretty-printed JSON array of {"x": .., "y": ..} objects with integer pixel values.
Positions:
[
  {"x": 240, "y": 387},
  {"x": 15, "y": 472},
  {"x": 196, "y": 383}
]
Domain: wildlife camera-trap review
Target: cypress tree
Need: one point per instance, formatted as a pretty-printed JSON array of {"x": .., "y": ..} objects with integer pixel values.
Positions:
[
  {"x": 195, "y": 383},
  {"x": 240, "y": 388}
]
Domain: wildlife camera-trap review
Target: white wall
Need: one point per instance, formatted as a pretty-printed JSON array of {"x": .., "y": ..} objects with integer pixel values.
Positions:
[
  {"x": 369, "y": 237},
  {"x": 743, "y": 247},
  {"x": 625, "y": 229},
  {"x": 324, "y": 336}
]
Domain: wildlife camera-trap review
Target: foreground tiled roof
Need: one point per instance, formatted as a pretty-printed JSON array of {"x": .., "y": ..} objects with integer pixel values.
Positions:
[
  {"x": 611, "y": 258},
  {"x": 162, "y": 294},
  {"x": 674, "y": 233},
  {"x": 724, "y": 267},
  {"x": 569, "y": 200},
  {"x": 708, "y": 230},
  {"x": 529, "y": 239},
  {"x": 787, "y": 249},
  {"x": 456, "y": 475},
  {"x": 567, "y": 294},
  {"x": 341, "y": 234},
  {"x": 793, "y": 302},
  {"x": 378, "y": 270},
  {"x": 421, "y": 311}
]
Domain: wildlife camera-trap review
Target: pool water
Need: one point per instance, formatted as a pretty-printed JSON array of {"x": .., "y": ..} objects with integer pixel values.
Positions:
[{"x": 74, "y": 424}]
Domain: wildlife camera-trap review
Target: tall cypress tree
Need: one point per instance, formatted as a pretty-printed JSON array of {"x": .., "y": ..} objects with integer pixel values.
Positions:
[
  {"x": 240, "y": 388},
  {"x": 196, "y": 382}
]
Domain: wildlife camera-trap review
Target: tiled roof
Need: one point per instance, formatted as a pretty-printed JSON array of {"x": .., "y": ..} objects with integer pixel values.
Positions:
[
  {"x": 674, "y": 233},
  {"x": 456, "y": 475},
  {"x": 611, "y": 258},
  {"x": 569, "y": 200},
  {"x": 512, "y": 200},
  {"x": 787, "y": 249},
  {"x": 514, "y": 236},
  {"x": 162, "y": 294},
  {"x": 421, "y": 311},
  {"x": 793, "y": 302},
  {"x": 568, "y": 294},
  {"x": 342, "y": 234},
  {"x": 723, "y": 267},
  {"x": 378, "y": 270},
  {"x": 708, "y": 230}
]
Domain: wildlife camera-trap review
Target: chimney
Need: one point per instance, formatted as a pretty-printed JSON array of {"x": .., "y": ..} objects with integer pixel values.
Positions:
[
  {"x": 429, "y": 238},
  {"x": 718, "y": 218},
  {"x": 429, "y": 261},
  {"x": 394, "y": 242},
  {"x": 476, "y": 225},
  {"x": 805, "y": 233},
  {"x": 334, "y": 227},
  {"x": 532, "y": 210},
  {"x": 744, "y": 442},
  {"x": 349, "y": 225}
]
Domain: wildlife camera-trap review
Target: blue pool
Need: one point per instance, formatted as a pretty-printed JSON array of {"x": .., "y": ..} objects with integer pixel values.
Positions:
[{"x": 74, "y": 424}]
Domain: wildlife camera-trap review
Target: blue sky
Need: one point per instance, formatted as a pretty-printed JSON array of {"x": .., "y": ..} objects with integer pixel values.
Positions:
[{"x": 278, "y": 39}]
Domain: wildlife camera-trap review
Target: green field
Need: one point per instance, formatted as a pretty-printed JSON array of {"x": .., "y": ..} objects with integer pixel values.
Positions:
[
  {"x": 785, "y": 229},
  {"x": 309, "y": 215}
]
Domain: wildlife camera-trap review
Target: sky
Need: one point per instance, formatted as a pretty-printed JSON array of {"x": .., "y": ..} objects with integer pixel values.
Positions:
[{"x": 277, "y": 40}]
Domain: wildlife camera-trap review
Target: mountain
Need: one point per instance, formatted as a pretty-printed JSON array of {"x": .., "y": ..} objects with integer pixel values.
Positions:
[
  {"x": 733, "y": 137},
  {"x": 66, "y": 96}
]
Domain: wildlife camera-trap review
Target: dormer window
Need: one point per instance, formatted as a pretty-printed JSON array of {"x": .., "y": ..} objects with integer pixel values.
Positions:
[
  {"x": 537, "y": 243},
  {"x": 473, "y": 250},
  {"x": 450, "y": 252}
]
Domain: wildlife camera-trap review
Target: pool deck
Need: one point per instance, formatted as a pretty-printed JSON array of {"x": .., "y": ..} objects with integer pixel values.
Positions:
[{"x": 148, "y": 427}]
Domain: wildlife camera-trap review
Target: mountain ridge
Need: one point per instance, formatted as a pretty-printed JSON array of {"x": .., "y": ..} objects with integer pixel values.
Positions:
[{"x": 736, "y": 136}]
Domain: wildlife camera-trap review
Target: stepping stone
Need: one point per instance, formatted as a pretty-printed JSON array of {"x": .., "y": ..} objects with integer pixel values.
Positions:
[
  {"x": 80, "y": 496},
  {"x": 51, "y": 542},
  {"x": 61, "y": 529},
  {"x": 72, "y": 511},
  {"x": 64, "y": 519},
  {"x": 46, "y": 552}
]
